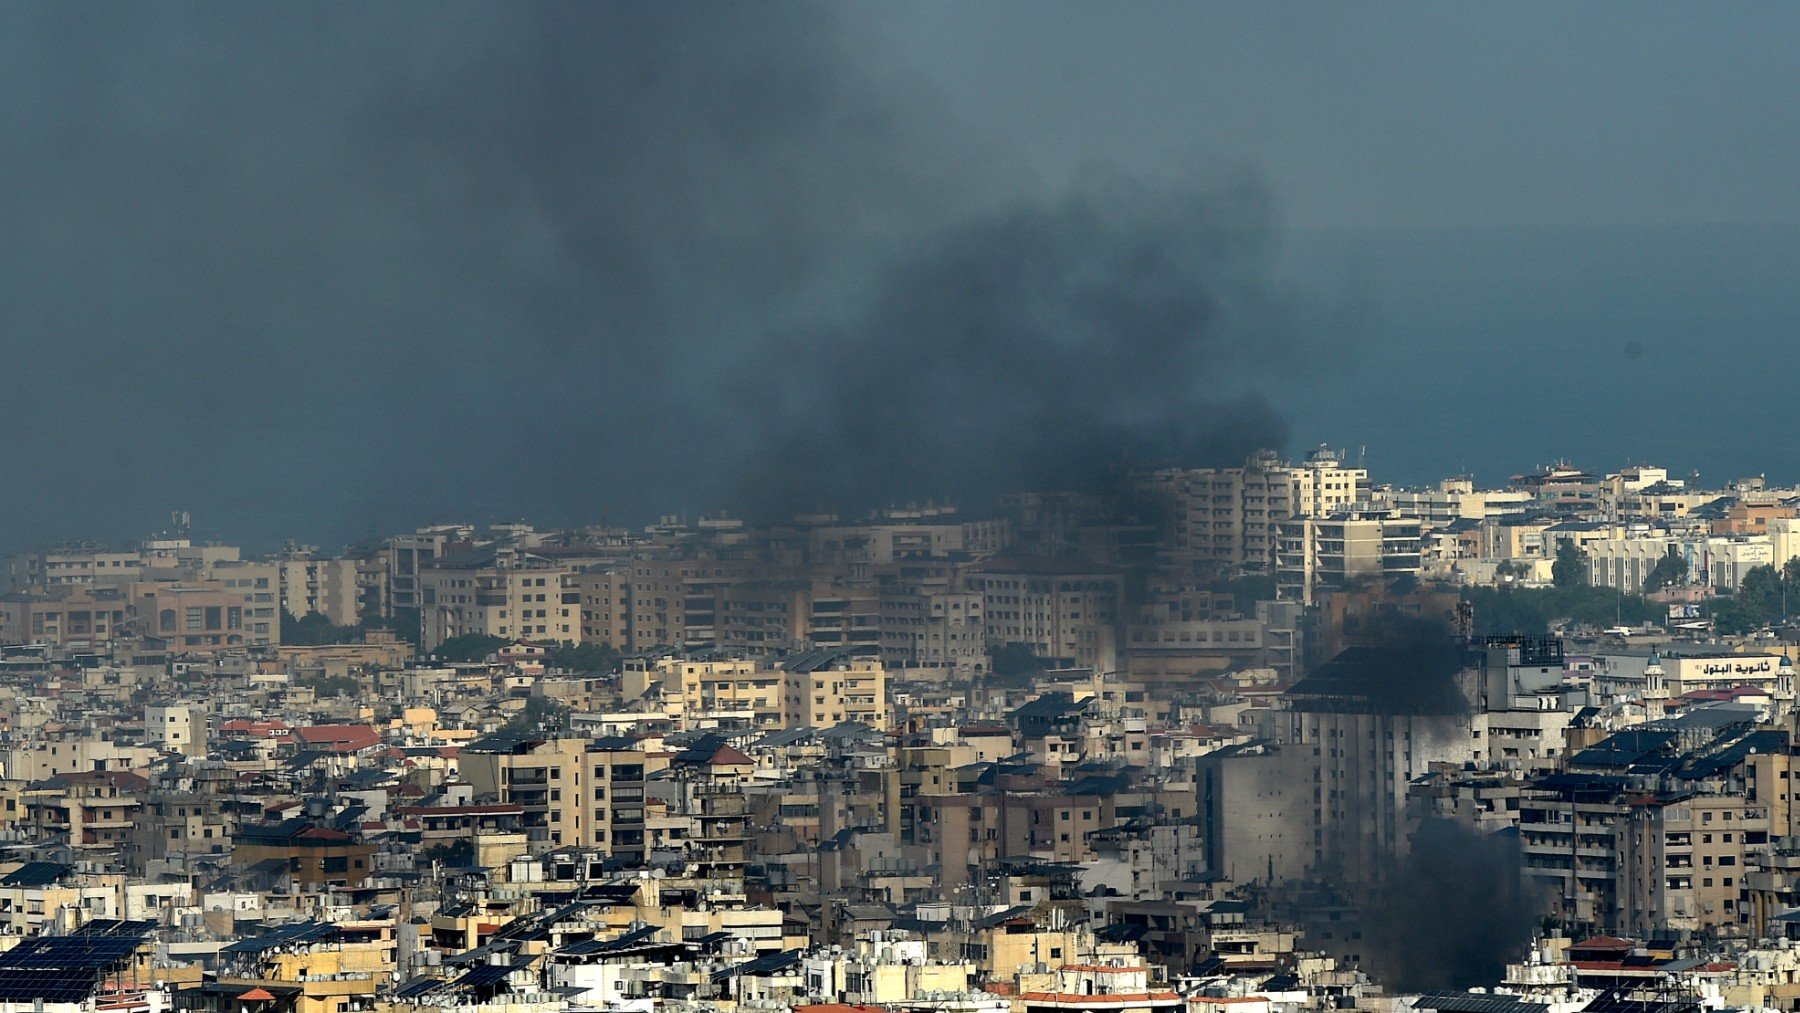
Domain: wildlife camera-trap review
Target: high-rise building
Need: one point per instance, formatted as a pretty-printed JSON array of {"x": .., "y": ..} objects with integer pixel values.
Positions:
[{"x": 1320, "y": 553}]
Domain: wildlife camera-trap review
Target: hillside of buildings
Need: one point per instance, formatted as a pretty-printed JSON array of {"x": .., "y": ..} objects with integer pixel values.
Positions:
[{"x": 1259, "y": 739}]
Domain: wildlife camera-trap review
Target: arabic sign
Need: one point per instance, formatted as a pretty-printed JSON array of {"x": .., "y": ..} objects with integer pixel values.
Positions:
[{"x": 1736, "y": 668}]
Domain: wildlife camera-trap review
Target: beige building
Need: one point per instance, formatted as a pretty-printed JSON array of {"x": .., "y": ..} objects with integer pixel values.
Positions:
[
  {"x": 573, "y": 792},
  {"x": 637, "y": 604},
  {"x": 1683, "y": 862},
  {"x": 1331, "y": 552},
  {"x": 37, "y": 760},
  {"x": 710, "y": 694},
  {"x": 828, "y": 687},
  {"x": 327, "y": 587},
  {"x": 176, "y": 727},
  {"x": 61, "y": 614},
  {"x": 1058, "y": 608},
  {"x": 87, "y": 565},
  {"x": 1229, "y": 517},
  {"x": 497, "y": 592},
  {"x": 210, "y": 616}
]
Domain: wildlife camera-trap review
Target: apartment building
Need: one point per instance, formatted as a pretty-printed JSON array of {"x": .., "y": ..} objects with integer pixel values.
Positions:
[
  {"x": 177, "y": 727},
  {"x": 499, "y": 591},
  {"x": 327, "y": 587},
  {"x": 954, "y": 635},
  {"x": 407, "y": 557},
  {"x": 1683, "y": 861},
  {"x": 1228, "y": 518},
  {"x": 709, "y": 694},
  {"x": 1059, "y": 608},
  {"x": 1323, "y": 553},
  {"x": 640, "y": 603},
  {"x": 62, "y": 614},
  {"x": 209, "y": 616},
  {"x": 571, "y": 792},
  {"x": 831, "y": 686},
  {"x": 82, "y": 564}
]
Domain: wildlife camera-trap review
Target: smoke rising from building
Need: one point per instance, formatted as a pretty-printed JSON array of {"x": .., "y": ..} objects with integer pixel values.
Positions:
[
  {"x": 1395, "y": 664},
  {"x": 570, "y": 259},
  {"x": 1452, "y": 912}
]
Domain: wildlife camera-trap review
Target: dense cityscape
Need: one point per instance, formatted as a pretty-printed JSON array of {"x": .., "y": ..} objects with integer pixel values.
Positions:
[
  {"x": 1261, "y": 738},
  {"x": 893, "y": 506}
]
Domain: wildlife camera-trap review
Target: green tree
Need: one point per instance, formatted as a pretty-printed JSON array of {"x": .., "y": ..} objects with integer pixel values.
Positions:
[
  {"x": 541, "y": 714},
  {"x": 1790, "y": 576},
  {"x": 1731, "y": 616},
  {"x": 469, "y": 647},
  {"x": 313, "y": 629},
  {"x": 404, "y": 623},
  {"x": 1761, "y": 593},
  {"x": 1015, "y": 661},
  {"x": 1571, "y": 566},
  {"x": 1670, "y": 570},
  {"x": 457, "y": 854},
  {"x": 586, "y": 657},
  {"x": 1532, "y": 611},
  {"x": 329, "y": 686}
]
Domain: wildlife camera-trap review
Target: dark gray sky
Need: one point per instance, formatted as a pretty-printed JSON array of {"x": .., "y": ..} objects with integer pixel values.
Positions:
[
  {"x": 1395, "y": 115},
  {"x": 337, "y": 270}
]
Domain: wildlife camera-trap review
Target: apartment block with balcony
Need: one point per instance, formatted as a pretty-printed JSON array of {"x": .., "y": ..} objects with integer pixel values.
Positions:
[
  {"x": 1318, "y": 554},
  {"x": 828, "y": 687},
  {"x": 500, "y": 592}
]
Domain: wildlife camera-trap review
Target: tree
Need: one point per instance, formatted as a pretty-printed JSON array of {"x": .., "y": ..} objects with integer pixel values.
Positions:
[
  {"x": 1760, "y": 591},
  {"x": 328, "y": 686},
  {"x": 1015, "y": 660},
  {"x": 1571, "y": 566},
  {"x": 313, "y": 629},
  {"x": 469, "y": 647},
  {"x": 541, "y": 714},
  {"x": 1670, "y": 570},
  {"x": 586, "y": 657},
  {"x": 1511, "y": 610},
  {"x": 457, "y": 854},
  {"x": 1731, "y": 617},
  {"x": 404, "y": 623}
]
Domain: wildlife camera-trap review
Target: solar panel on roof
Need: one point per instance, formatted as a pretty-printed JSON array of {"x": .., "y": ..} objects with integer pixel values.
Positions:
[
  {"x": 769, "y": 964},
  {"x": 1476, "y": 1002},
  {"x": 116, "y": 927},
  {"x": 70, "y": 952},
  {"x": 47, "y": 984},
  {"x": 583, "y": 948},
  {"x": 484, "y": 974},
  {"x": 36, "y": 874},
  {"x": 285, "y": 935},
  {"x": 418, "y": 987},
  {"x": 1211, "y": 965}
]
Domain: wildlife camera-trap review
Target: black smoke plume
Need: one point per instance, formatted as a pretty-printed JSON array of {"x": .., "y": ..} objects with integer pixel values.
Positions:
[
  {"x": 328, "y": 269},
  {"x": 1042, "y": 347},
  {"x": 1393, "y": 663},
  {"x": 1451, "y": 913}
]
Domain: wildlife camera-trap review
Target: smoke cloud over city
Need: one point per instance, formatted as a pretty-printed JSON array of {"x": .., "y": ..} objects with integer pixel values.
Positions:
[{"x": 629, "y": 256}]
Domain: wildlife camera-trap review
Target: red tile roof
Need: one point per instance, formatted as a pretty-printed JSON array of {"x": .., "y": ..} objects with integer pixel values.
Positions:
[{"x": 339, "y": 738}]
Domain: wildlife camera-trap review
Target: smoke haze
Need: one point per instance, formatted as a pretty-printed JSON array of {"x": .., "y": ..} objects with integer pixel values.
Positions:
[{"x": 339, "y": 269}]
